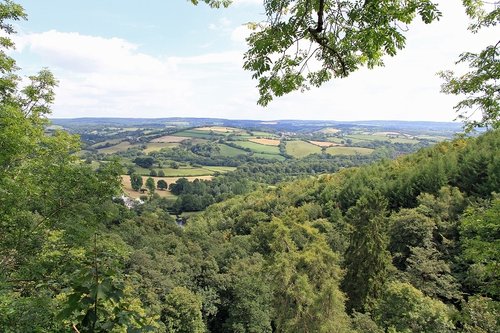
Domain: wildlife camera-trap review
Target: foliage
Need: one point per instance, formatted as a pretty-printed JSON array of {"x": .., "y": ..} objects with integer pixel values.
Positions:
[
  {"x": 367, "y": 259},
  {"x": 480, "y": 240},
  {"x": 161, "y": 184},
  {"x": 150, "y": 184},
  {"x": 182, "y": 312},
  {"x": 480, "y": 85},
  {"x": 136, "y": 182},
  {"x": 403, "y": 308},
  {"x": 306, "y": 43}
]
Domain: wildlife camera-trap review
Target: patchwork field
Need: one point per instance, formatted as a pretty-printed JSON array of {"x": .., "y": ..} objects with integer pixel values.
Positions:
[
  {"x": 259, "y": 148},
  {"x": 301, "y": 148},
  {"x": 324, "y": 143},
  {"x": 264, "y": 134},
  {"x": 171, "y": 139},
  {"x": 122, "y": 146},
  {"x": 228, "y": 151},
  {"x": 156, "y": 146},
  {"x": 220, "y": 129},
  {"x": 348, "y": 151},
  {"x": 193, "y": 133},
  {"x": 269, "y": 156},
  {"x": 102, "y": 143},
  {"x": 266, "y": 142}
]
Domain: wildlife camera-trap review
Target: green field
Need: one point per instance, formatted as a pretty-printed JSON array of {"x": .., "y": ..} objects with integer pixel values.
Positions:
[
  {"x": 348, "y": 151},
  {"x": 264, "y": 134},
  {"x": 228, "y": 151},
  {"x": 102, "y": 143},
  {"x": 156, "y": 146},
  {"x": 221, "y": 169},
  {"x": 194, "y": 134},
  {"x": 403, "y": 140},
  {"x": 367, "y": 137},
  {"x": 336, "y": 140},
  {"x": 269, "y": 156},
  {"x": 122, "y": 146},
  {"x": 301, "y": 148},
  {"x": 258, "y": 148}
]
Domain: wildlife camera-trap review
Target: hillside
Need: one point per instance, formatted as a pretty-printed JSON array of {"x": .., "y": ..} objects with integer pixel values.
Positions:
[{"x": 409, "y": 245}]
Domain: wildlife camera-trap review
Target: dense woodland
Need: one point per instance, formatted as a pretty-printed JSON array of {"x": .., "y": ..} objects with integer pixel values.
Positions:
[{"x": 404, "y": 245}]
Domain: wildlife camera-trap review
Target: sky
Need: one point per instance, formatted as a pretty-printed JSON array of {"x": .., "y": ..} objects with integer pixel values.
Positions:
[{"x": 168, "y": 58}]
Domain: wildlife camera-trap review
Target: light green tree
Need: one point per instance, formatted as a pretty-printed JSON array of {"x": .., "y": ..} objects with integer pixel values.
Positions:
[
  {"x": 182, "y": 312},
  {"x": 403, "y": 308},
  {"x": 150, "y": 184}
]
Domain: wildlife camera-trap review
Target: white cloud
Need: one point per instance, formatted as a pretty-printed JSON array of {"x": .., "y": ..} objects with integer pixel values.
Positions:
[{"x": 240, "y": 33}]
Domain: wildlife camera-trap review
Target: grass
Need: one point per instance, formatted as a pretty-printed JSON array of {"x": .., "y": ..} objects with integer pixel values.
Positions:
[
  {"x": 228, "y": 151},
  {"x": 301, "y": 148},
  {"x": 110, "y": 141},
  {"x": 194, "y": 134},
  {"x": 336, "y": 140},
  {"x": 269, "y": 156},
  {"x": 170, "y": 139},
  {"x": 266, "y": 142},
  {"x": 263, "y": 134},
  {"x": 403, "y": 140},
  {"x": 368, "y": 137},
  {"x": 348, "y": 151},
  {"x": 221, "y": 130},
  {"x": 258, "y": 148},
  {"x": 156, "y": 146},
  {"x": 221, "y": 169},
  {"x": 122, "y": 146},
  {"x": 323, "y": 143}
]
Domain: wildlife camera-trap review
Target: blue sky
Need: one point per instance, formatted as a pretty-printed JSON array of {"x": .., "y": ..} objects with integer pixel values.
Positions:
[{"x": 168, "y": 58}]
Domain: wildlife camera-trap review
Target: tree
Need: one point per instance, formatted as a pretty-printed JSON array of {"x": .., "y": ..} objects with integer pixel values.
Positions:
[
  {"x": 150, "y": 184},
  {"x": 367, "y": 259},
  {"x": 479, "y": 236},
  {"x": 136, "y": 181},
  {"x": 153, "y": 173},
  {"x": 144, "y": 162},
  {"x": 161, "y": 184},
  {"x": 480, "y": 85},
  {"x": 341, "y": 37},
  {"x": 403, "y": 308},
  {"x": 161, "y": 173},
  {"x": 182, "y": 312}
]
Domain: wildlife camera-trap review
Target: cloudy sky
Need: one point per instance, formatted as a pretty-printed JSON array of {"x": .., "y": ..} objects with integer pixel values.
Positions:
[{"x": 168, "y": 58}]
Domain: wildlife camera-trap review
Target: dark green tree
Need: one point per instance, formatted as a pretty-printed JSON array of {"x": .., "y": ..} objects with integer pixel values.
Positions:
[
  {"x": 367, "y": 259},
  {"x": 161, "y": 184},
  {"x": 136, "y": 181}
]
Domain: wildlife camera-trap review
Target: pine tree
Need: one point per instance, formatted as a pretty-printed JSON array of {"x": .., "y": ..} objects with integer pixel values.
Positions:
[{"x": 367, "y": 258}]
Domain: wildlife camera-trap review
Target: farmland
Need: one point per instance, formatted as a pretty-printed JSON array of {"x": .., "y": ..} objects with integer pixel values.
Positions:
[
  {"x": 259, "y": 148},
  {"x": 348, "y": 151},
  {"x": 266, "y": 142},
  {"x": 301, "y": 149}
]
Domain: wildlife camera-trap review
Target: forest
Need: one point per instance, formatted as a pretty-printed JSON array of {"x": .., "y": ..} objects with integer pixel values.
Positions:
[{"x": 404, "y": 239}]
